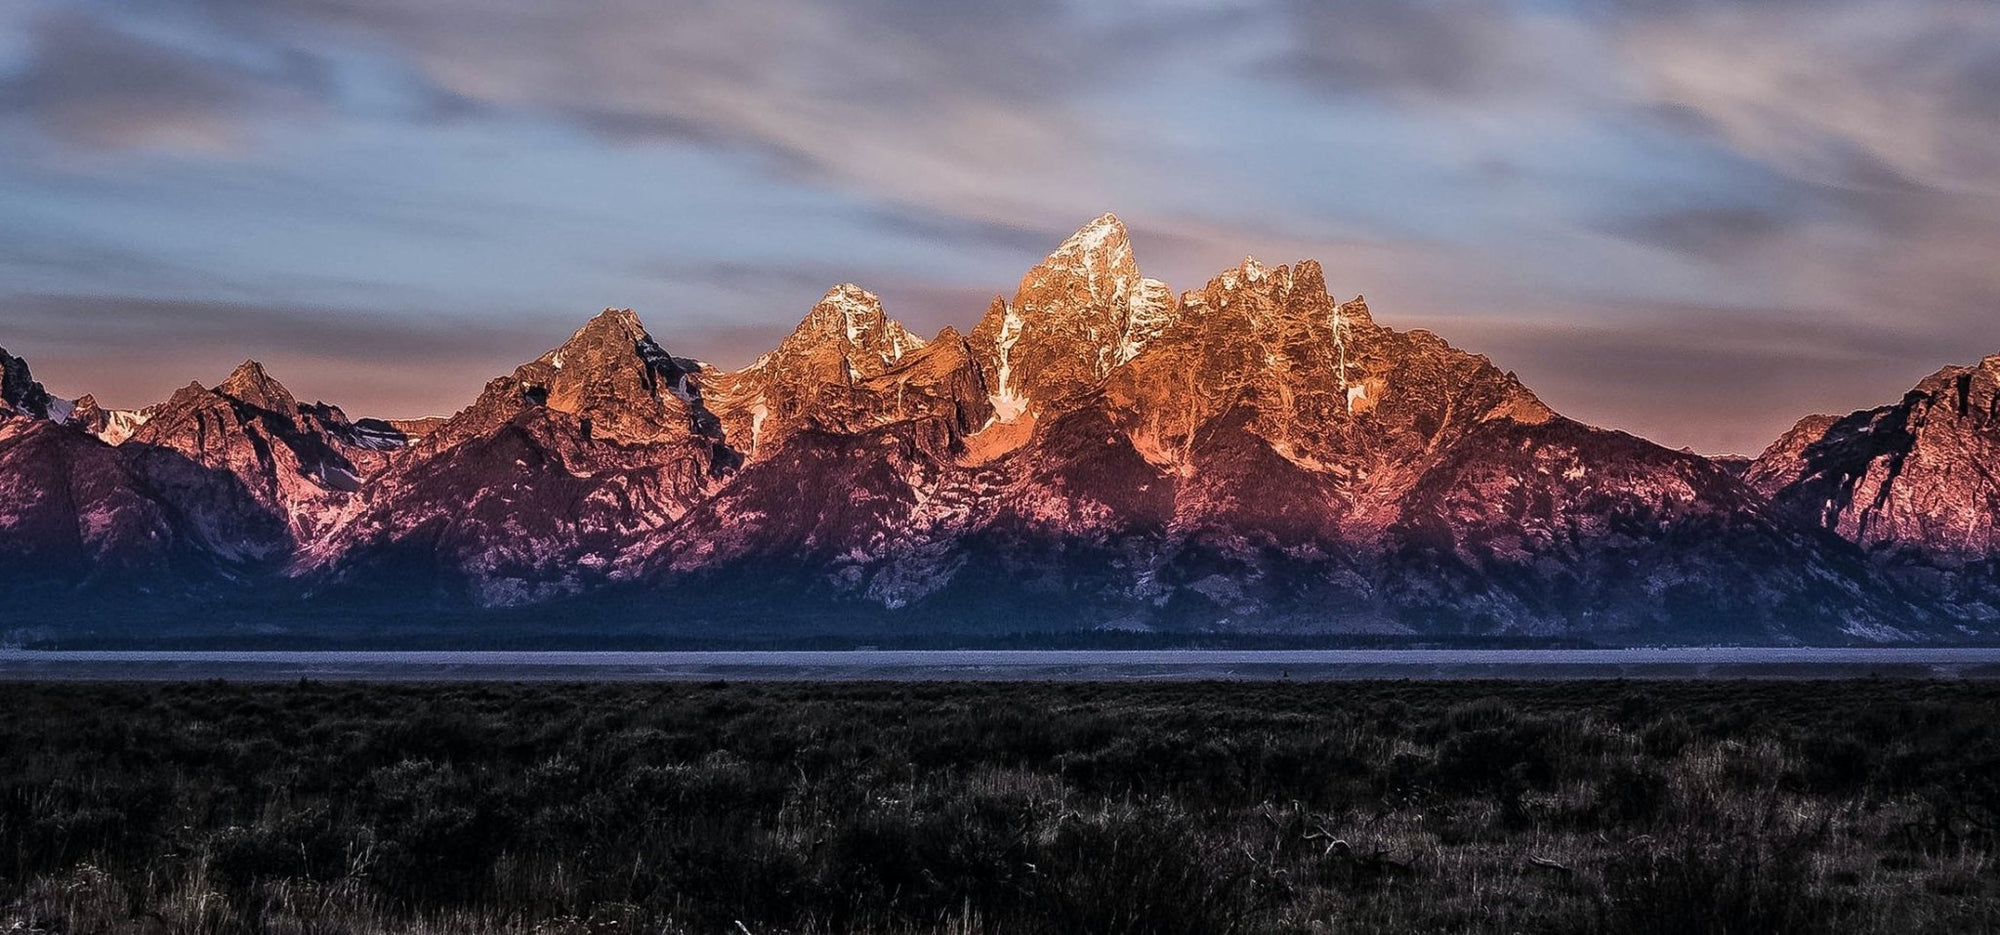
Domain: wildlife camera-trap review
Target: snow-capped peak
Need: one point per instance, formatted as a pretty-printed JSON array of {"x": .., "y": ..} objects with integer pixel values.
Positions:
[
  {"x": 1081, "y": 312},
  {"x": 857, "y": 308},
  {"x": 853, "y": 317},
  {"x": 1102, "y": 233}
]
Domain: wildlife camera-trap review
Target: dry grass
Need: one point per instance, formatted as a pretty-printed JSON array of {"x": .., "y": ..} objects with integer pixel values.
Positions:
[{"x": 1555, "y": 807}]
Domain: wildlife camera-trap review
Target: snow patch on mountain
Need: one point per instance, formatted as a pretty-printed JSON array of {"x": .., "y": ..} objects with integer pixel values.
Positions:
[
  {"x": 1148, "y": 310},
  {"x": 121, "y": 423},
  {"x": 1092, "y": 237},
  {"x": 1007, "y": 399},
  {"x": 376, "y": 435},
  {"x": 759, "y": 411},
  {"x": 854, "y": 316}
]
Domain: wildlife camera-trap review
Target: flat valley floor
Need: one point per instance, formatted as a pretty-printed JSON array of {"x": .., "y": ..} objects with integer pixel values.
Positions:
[
  {"x": 1679, "y": 662},
  {"x": 1858, "y": 805}
]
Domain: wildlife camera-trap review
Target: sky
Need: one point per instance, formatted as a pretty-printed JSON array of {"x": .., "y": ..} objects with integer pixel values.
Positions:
[{"x": 1693, "y": 221}]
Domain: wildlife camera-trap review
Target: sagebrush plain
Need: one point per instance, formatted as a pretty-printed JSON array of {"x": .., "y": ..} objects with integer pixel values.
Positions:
[{"x": 1682, "y": 807}]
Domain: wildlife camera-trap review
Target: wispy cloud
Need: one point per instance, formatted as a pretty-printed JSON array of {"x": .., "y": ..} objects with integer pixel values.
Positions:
[{"x": 90, "y": 83}]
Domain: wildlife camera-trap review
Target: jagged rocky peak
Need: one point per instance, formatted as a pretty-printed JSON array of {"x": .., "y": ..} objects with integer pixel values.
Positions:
[
  {"x": 1249, "y": 271},
  {"x": 612, "y": 350},
  {"x": 1249, "y": 300},
  {"x": 1079, "y": 313},
  {"x": 1298, "y": 290},
  {"x": 851, "y": 318},
  {"x": 90, "y": 416},
  {"x": 609, "y": 340},
  {"x": 1980, "y": 380},
  {"x": 1317, "y": 381},
  {"x": 19, "y": 393},
  {"x": 111, "y": 426},
  {"x": 197, "y": 415},
  {"x": 1101, "y": 250},
  {"x": 612, "y": 373},
  {"x": 1354, "y": 311},
  {"x": 251, "y": 383},
  {"x": 1912, "y": 475},
  {"x": 1255, "y": 335},
  {"x": 253, "y": 427},
  {"x": 848, "y": 368},
  {"x": 1279, "y": 327},
  {"x": 193, "y": 394},
  {"x": 253, "y": 472},
  {"x": 1099, "y": 258}
]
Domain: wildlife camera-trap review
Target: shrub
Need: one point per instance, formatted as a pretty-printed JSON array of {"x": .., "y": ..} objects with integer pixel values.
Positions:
[
  {"x": 1726, "y": 887},
  {"x": 1141, "y": 869},
  {"x": 1632, "y": 793}
]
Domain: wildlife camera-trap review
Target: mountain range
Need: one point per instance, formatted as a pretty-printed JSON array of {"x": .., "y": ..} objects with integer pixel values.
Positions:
[{"x": 1098, "y": 452}]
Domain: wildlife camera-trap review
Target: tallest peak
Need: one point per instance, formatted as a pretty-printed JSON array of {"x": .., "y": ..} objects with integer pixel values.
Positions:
[
  {"x": 1104, "y": 231},
  {"x": 1100, "y": 254}
]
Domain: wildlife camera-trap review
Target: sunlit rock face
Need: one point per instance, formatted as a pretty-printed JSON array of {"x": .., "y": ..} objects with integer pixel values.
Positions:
[
  {"x": 207, "y": 488},
  {"x": 850, "y": 368},
  {"x": 528, "y": 493},
  {"x": 1915, "y": 483},
  {"x": 253, "y": 472},
  {"x": 1252, "y": 454},
  {"x": 1078, "y": 314},
  {"x": 1098, "y": 451}
]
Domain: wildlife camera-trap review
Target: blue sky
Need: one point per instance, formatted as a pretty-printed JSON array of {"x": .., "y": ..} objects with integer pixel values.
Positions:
[{"x": 1695, "y": 221}]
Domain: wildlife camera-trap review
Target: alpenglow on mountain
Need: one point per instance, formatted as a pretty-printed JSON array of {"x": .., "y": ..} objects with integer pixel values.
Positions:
[{"x": 1096, "y": 452}]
